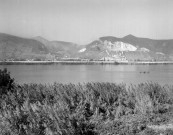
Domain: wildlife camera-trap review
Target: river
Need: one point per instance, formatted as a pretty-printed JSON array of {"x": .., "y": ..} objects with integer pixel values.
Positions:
[{"x": 129, "y": 74}]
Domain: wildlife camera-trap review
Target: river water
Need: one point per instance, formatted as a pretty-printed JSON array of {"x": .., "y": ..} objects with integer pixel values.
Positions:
[{"x": 163, "y": 74}]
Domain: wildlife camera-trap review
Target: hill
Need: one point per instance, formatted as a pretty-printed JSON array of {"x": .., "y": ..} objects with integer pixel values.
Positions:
[
  {"x": 129, "y": 48},
  {"x": 60, "y": 48},
  {"x": 13, "y": 47}
]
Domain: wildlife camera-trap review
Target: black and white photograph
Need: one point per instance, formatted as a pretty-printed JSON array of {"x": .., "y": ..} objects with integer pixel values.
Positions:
[{"x": 86, "y": 67}]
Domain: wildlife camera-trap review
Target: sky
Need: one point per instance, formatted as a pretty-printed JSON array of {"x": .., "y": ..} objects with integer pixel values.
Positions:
[{"x": 82, "y": 21}]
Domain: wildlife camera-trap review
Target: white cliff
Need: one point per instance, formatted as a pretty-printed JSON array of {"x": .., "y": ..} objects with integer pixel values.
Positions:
[{"x": 119, "y": 46}]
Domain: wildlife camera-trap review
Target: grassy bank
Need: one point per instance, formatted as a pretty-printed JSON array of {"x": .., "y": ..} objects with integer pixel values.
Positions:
[{"x": 85, "y": 109}]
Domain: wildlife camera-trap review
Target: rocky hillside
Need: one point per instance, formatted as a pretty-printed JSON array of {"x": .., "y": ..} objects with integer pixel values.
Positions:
[{"x": 129, "y": 48}]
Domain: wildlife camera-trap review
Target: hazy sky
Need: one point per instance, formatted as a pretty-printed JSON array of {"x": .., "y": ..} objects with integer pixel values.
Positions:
[{"x": 82, "y": 21}]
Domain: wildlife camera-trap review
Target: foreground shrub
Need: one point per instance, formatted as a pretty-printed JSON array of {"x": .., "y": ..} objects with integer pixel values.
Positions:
[{"x": 6, "y": 82}]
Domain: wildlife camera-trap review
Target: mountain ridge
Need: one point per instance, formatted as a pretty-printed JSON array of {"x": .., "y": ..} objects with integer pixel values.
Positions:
[{"x": 129, "y": 47}]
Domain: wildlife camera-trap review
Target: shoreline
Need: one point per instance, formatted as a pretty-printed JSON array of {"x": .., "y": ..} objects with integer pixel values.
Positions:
[{"x": 85, "y": 62}]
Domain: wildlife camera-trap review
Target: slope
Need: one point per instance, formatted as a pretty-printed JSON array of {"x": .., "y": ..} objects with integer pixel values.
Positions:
[{"x": 13, "y": 47}]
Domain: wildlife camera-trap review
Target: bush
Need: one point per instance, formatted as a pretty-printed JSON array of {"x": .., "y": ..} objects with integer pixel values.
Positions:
[{"x": 6, "y": 82}]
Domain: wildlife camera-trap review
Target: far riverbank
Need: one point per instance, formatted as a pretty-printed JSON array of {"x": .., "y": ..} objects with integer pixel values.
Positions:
[{"x": 84, "y": 62}]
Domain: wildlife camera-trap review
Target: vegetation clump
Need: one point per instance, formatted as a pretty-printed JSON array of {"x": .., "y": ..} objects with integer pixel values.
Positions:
[
  {"x": 84, "y": 109},
  {"x": 6, "y": 82}
]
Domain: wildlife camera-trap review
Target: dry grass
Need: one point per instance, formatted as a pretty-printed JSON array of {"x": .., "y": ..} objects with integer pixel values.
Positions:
[{"x": 85, "y": 109}]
